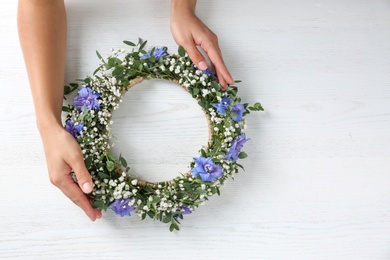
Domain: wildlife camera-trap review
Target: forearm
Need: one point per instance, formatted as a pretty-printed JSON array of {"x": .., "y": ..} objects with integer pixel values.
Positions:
[
  {"x": 183, "y": 6},
  {"x": 42, "y": 34}
]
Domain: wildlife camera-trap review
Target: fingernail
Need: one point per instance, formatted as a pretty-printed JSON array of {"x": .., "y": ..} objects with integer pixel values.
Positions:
[
  {"x": 202, "y": 65},
  {"x": 87, "y": 187}
]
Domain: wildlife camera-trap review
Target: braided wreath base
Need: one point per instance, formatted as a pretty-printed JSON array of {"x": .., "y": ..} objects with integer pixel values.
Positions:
[{"x": 89, "y": 119}]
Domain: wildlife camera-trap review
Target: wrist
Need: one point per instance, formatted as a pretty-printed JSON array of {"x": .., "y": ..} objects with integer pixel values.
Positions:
[{"x": 48, "y": 123}]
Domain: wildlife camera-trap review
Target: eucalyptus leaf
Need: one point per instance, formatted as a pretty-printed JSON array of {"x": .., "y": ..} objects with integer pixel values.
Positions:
[
  {"x": 123, "y": 161},
  {"x": 181, "y": 51},
  {"x": 110, "y": 165},
  {"x": 99, "y": 56},
  {"x": 129, "y": 43},
  {"x": 242, "y": 155},
  {"x": 88, "y": 162}
]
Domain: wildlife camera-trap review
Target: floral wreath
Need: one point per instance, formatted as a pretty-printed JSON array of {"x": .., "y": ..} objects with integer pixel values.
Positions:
[{"x": 89, "y": 121}]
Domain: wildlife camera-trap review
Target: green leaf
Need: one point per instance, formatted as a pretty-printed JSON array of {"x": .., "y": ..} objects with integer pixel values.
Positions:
[
  {"x": 242, "y": 167},
  {"x": 88, "y": 80},
  {"x": 156, "y": 199},
  {"x": 143, "y": 45},
  {"x": 65, "y": 109},
  {"x": 123, "y": 161},
  {"x": 151, "y": 214},
  {"x": 171, "y": 227},
  {"x": 97, "y": 204},
  {"x": 181, "y": 51},
  {"x": 70, "y": 89},
  {"x": 99, "y": 56},
  {"x": 242, "y": 155},
  {"x": 110, "y": 165},
  {"x": 176, "y": 226},
  {"x": 116, "y": 72},
  {"x": 195, "y": 91},
  {"x": 88, "y": 162},
  {"x": 129, "y": 43},
  {"x": 202, "y": 104},
  {"x": 187, "y": 186},
  {"x": 216, "y": 85},
  {"x": 125, "y": 82},
  {"x": 111, "y": 156},
  {"x": 258, "y": 106},
  {"x": 103, "y": 175},
  {"x": 168, "y": 217},
  {"x": 97, "y": 69}
]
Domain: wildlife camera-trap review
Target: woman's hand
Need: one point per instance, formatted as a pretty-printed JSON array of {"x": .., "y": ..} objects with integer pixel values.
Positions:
[
  {"x": 189, "y": 31},
  {"x": 63, "y": 154}
]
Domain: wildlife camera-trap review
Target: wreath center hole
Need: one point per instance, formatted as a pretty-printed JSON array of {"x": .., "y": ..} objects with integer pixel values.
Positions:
[{"x": 158, "y": 129}]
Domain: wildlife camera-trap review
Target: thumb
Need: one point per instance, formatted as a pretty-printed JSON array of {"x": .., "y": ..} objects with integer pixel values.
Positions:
[
  {"x": 83, "y": 177},
  {"x": 196, "y": 57}
]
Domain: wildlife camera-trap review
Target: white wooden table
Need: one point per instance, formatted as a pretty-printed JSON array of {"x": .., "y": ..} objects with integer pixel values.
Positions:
[{"x": 317, "y": 180}]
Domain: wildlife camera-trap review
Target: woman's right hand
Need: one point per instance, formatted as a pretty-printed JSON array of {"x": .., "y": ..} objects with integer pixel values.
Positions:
[{"x": 63, "y": 154}]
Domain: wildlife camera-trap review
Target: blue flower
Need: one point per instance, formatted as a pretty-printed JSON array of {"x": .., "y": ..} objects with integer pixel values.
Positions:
[
  {"x": 237, "y": 110},
  {"x": 236, "y": 147},
  {"x": 74, "y": 129},
  {"x": 222, "y": 106},
  {"x": 121, "y": 207},
  {"x": 206, "y": 169},
  {"x": 184, "y": 211},
  {"x": 87, "y": 98},
  {"x": 158, "y": 53},
  {"x": 208, "y": 72}
]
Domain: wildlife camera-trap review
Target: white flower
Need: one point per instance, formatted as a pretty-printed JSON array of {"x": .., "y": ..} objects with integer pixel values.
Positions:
[
  {"x": 205, "y": 92},
  {"x": 134, "y": 182}
]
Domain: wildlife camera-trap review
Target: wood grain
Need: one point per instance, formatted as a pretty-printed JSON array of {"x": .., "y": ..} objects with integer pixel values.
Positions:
[{"x": 317, "y": 178}]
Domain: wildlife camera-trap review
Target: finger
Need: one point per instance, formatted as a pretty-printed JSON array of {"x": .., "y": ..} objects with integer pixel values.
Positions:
[
  {"x": 195, "y": 55},
  {"x": 76, "y": 162},
  {"x": 215, "y": 56},
  {"x": 221, "y": 80},
  {"x": 73, "y": 192}
]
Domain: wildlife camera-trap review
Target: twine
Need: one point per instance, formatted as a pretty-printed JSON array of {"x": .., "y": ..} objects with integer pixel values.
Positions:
[{"x": 137, "y": 80}]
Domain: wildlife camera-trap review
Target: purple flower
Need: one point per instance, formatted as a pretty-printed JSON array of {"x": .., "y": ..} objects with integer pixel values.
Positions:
[
  {"x": 184, "y": 211},
  {"x": 206, "y": 169},
  {"x": 74, "y": 129},
  {"x": 208, "y": 72},
  {"x": 222, "y": 106},
  {"x": 237, "y": 110},
  {"x": 121, "y": 207},
  {"x": 158, "y": 53},
  {"x": 87, "y": 98},
  {"x": 236, "y": 147}
]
